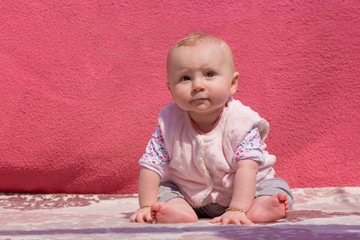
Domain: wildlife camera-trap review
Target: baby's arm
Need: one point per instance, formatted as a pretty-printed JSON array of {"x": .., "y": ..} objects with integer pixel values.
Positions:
[
  {"x": 153, "y": 164},
  {"x": 148, "y": 192},
  {"x": 244, "y": 188}
]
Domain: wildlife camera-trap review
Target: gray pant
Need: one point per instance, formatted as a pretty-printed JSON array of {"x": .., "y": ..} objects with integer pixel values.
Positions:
[{"x": 168, "y": 191}]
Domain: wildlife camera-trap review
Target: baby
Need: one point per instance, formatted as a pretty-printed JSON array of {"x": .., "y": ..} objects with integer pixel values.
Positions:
[{"x": 207, "y": 157}]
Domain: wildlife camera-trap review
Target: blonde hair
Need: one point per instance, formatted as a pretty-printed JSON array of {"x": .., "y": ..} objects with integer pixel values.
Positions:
[{"x": 197, "y": 38}]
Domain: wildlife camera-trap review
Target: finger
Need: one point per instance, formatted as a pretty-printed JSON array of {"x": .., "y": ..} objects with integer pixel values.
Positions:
[
  {"x": 132, "y": 218},
  {"x": 152, "y": 214},
  {"x": 225, "y": 221},
  {"x": 236, "y": 221},
  {"x": 148, "y": 217},
  {"x": 215, "y": 220},
  {"x": 247, "y": 222},
  {"x": 140, "y": 218}
]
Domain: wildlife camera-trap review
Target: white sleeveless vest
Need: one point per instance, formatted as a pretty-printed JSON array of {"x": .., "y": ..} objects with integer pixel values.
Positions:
[{"x": 202, "y": 166}]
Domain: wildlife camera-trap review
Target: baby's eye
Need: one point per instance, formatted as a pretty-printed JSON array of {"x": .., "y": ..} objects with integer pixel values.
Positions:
[
  {"x": 210, "y": 74},
  {"x": 185, "y": 78}
]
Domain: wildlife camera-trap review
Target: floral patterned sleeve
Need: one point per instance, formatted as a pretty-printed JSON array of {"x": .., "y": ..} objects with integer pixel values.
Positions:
[
  {"x": 156, "y": 157},
  {"x": 250, "y": 147}
]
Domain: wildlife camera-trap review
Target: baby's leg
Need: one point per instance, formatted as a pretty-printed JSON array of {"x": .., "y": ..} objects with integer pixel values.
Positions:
[
  {"x": 176, "y": 210},
  {"x": 269, "y": 208}
]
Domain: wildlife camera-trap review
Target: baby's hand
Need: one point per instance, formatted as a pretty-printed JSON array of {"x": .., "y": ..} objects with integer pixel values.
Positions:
[
  {"x": 237, "y": 218},
  {"x": 142, "y": 215}
]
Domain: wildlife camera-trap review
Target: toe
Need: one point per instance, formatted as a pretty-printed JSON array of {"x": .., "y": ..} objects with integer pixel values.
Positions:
[
  {"x": 156, "y": 206},
  {"x": 282, "y": 197}
]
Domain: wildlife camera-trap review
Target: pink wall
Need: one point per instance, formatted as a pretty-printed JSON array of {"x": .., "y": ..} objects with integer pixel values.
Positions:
[{"x": 82, "y": 82}]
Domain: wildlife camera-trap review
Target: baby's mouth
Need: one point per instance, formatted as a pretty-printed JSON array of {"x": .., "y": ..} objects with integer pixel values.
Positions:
[{"x": 200, "y": 99}]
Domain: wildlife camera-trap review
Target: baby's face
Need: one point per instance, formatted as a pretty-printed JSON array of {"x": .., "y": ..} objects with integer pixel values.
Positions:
[{"x": 201, "y": 77}]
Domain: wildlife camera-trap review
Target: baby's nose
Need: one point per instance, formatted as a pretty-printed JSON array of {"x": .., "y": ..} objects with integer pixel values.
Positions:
[{"x": 198, "y": 84}]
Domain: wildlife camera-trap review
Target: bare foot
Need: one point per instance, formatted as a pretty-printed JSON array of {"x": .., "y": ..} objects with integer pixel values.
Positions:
[
  {"x": 176, "y": 210},
  {"x": 269, "y": 208}
]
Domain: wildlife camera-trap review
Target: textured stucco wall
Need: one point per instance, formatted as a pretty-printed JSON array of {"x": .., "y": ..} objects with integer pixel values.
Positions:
[{"x": 82, "y": 82}]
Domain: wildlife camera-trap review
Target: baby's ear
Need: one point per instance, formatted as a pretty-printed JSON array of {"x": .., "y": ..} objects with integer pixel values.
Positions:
[
  {"x": 168, "y": 86},
  {"x": 234, "y": 83}
]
